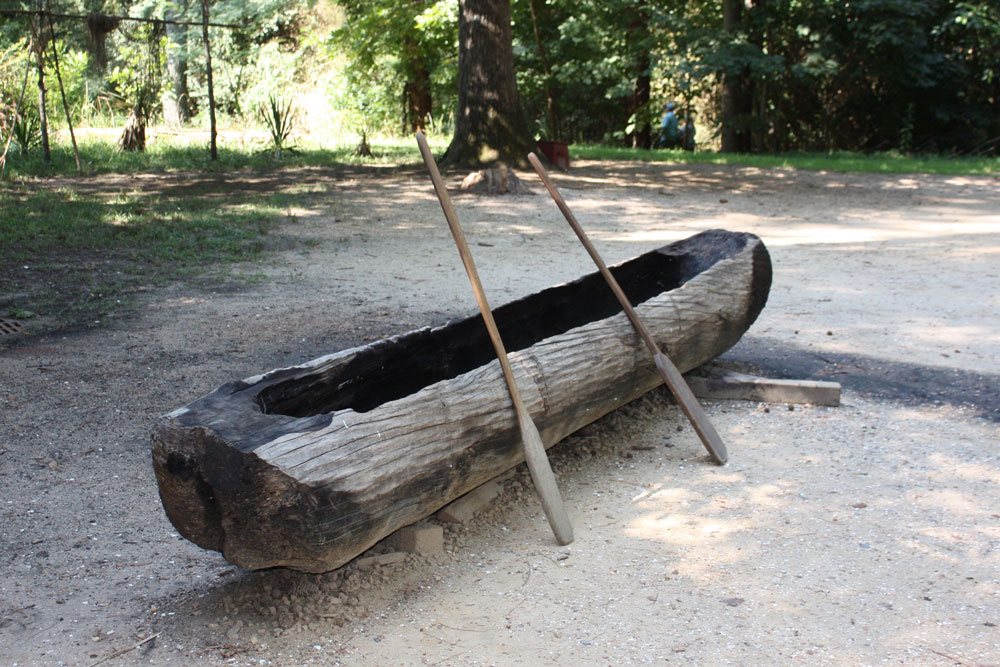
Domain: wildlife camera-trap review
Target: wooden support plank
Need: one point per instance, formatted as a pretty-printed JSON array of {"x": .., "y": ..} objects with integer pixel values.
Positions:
[
  {"x": 468, "y": 506},
  {"x": 733, "y": 386}
]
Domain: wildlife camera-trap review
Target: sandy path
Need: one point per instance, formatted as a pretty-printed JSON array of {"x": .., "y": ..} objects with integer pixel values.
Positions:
[{"x": 852, "y": 535}]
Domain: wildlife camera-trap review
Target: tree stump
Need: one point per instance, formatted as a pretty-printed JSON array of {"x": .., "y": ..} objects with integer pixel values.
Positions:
[
  {"x": 133, "y": 137},
  {"x": 363, "y": 149}
]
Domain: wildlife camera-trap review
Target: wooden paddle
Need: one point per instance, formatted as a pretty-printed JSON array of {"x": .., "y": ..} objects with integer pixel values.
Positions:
[
  {"x": 534, "y": 450},
  {"x": 675, "y": 381}
]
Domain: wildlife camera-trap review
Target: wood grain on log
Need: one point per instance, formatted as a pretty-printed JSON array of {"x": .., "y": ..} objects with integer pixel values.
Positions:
[{"x": 308, "y": 466}]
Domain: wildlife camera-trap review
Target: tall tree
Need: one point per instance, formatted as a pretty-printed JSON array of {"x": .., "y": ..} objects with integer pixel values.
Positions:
[
  {"x": 490, "y": 126},
  {"x": 638, "y": 42},
  {"x": 551, "y": 101},
  {"x": 417, "y": 89},
  {"x": 213, "y": 145},
  {"x": 176, "y": 98},
  {"x": 735, "y": 100}
]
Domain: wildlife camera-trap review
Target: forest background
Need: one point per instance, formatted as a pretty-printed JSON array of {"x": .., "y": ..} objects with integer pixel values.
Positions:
[{"x": 760, "y": 76}]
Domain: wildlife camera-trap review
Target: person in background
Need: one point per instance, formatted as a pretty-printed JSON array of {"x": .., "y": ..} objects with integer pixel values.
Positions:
[
  {"x": 687, "y": 133},
  {"x": 669, "y": 136}
]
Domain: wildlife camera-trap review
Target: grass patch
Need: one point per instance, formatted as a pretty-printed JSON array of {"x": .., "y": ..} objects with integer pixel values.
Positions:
[
  {"x": 71, "y": 253},
  {"x": 71, "y": 256},
  {"x": 98, "y": 155},
  {"x": 181, "y": 153},
  {"x": 880, "y": 163},
  {"x": 181, "y": 233}
]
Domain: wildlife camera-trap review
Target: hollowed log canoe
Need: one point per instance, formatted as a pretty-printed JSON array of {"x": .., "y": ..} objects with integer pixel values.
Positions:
[{"x": 307, "y": 467}]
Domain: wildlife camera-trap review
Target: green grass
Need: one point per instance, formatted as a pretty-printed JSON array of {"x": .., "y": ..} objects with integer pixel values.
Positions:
[
  {"x": 186, "y": 232},
  {"x": 167, "y": 154},
  {"x": 98, "y": 155},
  {"x": 882, "y": 163},
  {"x": 68, "y": 253},
  {"x": 69, "y": 256}
]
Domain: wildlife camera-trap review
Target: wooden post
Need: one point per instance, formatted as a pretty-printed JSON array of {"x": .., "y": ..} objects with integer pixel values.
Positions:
[
  {"x": 62, "y": 91},
  {"x": 208, "y": 70}
]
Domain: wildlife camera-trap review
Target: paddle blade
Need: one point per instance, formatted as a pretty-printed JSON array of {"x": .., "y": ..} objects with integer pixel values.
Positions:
[
  {"x": 692, "y": 408},
  {"x": 545, "y": 481}
]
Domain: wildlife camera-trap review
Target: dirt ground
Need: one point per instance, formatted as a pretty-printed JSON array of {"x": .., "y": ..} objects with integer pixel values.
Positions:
[{"x": 863, "y": 534}]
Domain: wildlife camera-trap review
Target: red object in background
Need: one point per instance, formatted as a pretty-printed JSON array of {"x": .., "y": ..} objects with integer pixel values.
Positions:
[{"x": 556, "y": 152}]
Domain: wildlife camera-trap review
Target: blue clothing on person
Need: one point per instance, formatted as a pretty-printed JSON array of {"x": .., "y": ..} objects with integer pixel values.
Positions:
[{"x": 668, "y": 128}]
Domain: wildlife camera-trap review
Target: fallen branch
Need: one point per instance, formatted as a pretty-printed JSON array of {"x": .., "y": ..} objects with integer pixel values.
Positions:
[{"x": 126, "y": 650}]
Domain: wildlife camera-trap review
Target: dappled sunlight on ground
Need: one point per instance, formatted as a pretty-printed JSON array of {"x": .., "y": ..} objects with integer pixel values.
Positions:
[
  {"x": 863, "y": 534},
  {"x": 864, "y": 508}
]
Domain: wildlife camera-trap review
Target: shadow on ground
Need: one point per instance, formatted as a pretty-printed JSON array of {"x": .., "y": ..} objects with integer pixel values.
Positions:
[{"x": 871, "y": 376}]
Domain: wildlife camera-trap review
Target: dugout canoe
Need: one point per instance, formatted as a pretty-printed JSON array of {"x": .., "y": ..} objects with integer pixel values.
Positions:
[{"x": 307, "y": 467}]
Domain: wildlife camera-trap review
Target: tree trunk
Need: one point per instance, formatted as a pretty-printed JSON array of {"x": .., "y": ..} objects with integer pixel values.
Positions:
[
  {"x": 208, "y": 72},
  {"x": 638, "y": 45},
  {"x": 734, "y": 136},
  {"x": 418, "y": 97},
  {"x": 177, "y": 98},
  {"x": 552, "y": 104},
  {"x": 38, "y": 39},
  {"x": 763, "y": 132},
  {"x": 642, "y": 136},
  {"x": 490, "y": 127},
  {"x": 309, "y": 466}
]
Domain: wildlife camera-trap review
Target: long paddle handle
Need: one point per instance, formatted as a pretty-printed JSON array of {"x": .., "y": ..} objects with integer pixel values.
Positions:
[
  {"x": 675, "y": 381},
  {"x": 534, "y": 450}
]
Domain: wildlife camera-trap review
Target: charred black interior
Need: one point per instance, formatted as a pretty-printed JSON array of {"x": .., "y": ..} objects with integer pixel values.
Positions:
[{"x": 397, "y": 368}]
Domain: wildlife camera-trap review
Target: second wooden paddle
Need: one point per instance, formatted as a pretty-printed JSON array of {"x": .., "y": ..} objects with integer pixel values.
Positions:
[
  {"x": 675, "y": 381},
  {"x": 534, "y": 450}
]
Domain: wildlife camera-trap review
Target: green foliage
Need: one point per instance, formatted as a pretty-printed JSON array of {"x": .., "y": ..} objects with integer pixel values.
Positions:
[
  {"x": 279, "y": 119},
  {"x": 363, "y": 106},
  {"x": 136, "y": 76},
  {"x": 809, "y": 75},
  {"x": 595, "y": 49},
  {"x": 73, "y": 67},
  {"x": 815, "y": 75},
  {"x": 18, "y": 115},
  {"x": 13, "y": 85},
  {"x": 386, "y": 46},
  {"x": 267, "y": 53},
  {"x": 867, "y": 75},
  {"x": 26, "y": 133}
]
